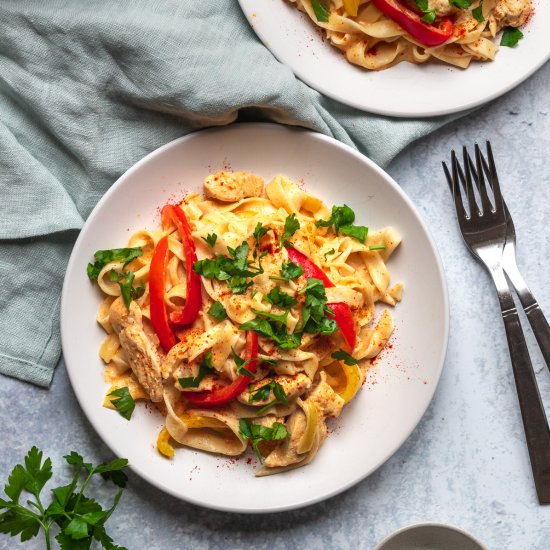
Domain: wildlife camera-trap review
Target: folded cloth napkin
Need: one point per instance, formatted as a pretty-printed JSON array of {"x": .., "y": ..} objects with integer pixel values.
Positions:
[{"x": 86, "y": 90}]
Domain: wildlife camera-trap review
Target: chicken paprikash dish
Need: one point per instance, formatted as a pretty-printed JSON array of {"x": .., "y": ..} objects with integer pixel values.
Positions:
[
  {"x": 378, "y": 34},
  {"x": 249, "y": 318}
]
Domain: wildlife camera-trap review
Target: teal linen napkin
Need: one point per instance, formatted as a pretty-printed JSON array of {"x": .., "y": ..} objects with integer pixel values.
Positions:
[{"x": 89, "y": 88}]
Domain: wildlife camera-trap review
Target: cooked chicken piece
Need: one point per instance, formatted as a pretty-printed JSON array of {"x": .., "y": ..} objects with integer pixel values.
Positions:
[
  {"x": 327, "y": 401},
  {"x": 293, "y": 386},
  {"x": 513, "y": 13},
  {"x": 142, "y": 355},
  {"x": 232, "y": 186}
]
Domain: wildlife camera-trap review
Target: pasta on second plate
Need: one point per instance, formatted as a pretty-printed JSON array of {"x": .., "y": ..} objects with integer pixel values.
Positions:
[
  {"x": 378, "y": 34},
  {"x": 248, "y": 319}
]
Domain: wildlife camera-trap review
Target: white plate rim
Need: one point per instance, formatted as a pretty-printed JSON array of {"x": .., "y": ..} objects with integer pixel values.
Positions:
[
  {"x": 79, "y": 390},
  {"x": 401, "y": 112}
]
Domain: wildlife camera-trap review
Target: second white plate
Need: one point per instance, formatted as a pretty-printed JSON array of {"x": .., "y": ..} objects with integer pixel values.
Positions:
[{"x": 405, "y": 90}]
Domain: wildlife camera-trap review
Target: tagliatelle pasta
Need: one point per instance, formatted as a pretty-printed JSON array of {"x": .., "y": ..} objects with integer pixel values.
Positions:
[
  {"x": 378, "y": 34},
  {"x": 248, "y": 319}
]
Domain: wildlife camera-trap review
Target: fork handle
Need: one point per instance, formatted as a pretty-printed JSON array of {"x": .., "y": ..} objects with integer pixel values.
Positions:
[
  {"x": 535, "y": 425},
  {"x": 537, "y": 320}
]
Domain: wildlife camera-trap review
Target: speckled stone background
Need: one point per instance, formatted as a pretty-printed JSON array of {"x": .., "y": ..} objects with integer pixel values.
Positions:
[{"x": 465, "y": 464}]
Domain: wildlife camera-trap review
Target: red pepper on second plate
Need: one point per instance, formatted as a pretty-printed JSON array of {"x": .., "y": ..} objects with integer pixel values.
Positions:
[
  {"x": 190, "y": 311},
  {"x": 410, "y": 21},
  {"x": 157, "y": 282},
  {"x": 342, "y": 312},
  {"x": 221, "y": 396}
]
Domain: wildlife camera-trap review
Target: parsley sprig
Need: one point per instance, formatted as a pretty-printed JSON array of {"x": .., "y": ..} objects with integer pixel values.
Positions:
[
  {"x": 257, "y": 433},
  {"x": 262, "y": 394},
  {"x": 291, "y": 226},
  {"x": 235, "y": 269},
  {"x": 80, "y": 519},
  {"x": 289, "y": 271},
  {"x": 341, "y": 355},
  {"x": 125, "y": 282},
  {"x": 314, "y": 319},
  {"x": 342, "y": 219},
  {"x": 124, "y": 402},
  {"x": 104, "y": 257}
]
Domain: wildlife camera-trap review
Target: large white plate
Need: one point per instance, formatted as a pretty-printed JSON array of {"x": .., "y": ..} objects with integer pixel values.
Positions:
[
  {"x": 399, "y": 387},
  {"x": 405, "y": 90}
]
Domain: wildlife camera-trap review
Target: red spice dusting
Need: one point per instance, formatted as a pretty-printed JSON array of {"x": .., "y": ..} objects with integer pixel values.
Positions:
[{"x": 249, "y": 461}]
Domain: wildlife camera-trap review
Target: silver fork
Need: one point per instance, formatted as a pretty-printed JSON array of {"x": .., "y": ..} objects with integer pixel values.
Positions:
[
  {"x": 484, "y": 230},
  {"x": 533, "y": 312}
]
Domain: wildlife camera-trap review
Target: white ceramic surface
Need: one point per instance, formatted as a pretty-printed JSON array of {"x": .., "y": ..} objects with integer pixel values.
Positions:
[
  {"x": 400, "y": 386},
  {"x": 405, "y": 90}
]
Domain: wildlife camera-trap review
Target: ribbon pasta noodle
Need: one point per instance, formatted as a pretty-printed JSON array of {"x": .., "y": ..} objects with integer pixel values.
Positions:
[
  {"x": 369, "y": 34},
  {"x": 285, "y": 326}
]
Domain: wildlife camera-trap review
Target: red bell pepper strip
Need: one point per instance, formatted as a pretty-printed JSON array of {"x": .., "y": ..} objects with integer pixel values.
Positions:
[
  {"x": 190, "y": 311},
  {"x": 344, "y": 320},
  {"x": 410, "y": 21},
  {"x": 342, "y": 312},
  {"x": 221, "y": 396},
  {"x": 157, "y": 278},
  {"x": 309, "y": 267}
]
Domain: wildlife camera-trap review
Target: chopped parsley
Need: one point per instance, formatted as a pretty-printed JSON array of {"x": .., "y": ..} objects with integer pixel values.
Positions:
[
  {"x": 104, "y": 257},
  {"x": 256, "y": 433},
  {"x": 330, "y": 253},
  {"x": 378, "y": 247},
  {"x": 314, "y": 318},
  {"x": 477, "y": 13},
  {"x": 321, "y": 12},
  {"x": 462, "y": 4},
  {"x": 217, "y": 311},
  {"x": 274, "y": 329},
  {"x": 510, "y": 37},
  {"x": 241, "y": 365},
  {"x": 289, "y": 271},
  {"x": 279, "y": 298},
  {"x": 341, "y": 355},
  {"x": 125, "y": 283},
  {"x": 342, "y": 219},
  {"x": 291, "y": 226},
  {"x": 210, "y": 239},
  {"x": 124, "y": 402},
  {"x": 259, "y": 232},
  {"x": 263, "y": 392},
  {"x": 429, "y": 15},
  {"x": 235, "y": 269},
  {"x": 205, "y": 368}
]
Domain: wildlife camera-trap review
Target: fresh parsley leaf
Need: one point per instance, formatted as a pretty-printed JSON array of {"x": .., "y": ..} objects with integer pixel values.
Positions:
[
  {"x": 359, "y": 232},
  {"x": 239, "y": 285},
  {"x": 257, "y": 433},
  {"x": 259, "y": 232},
  {"x": 124, "y": 402},
  {"x": 128, "y": 291},
  {"x": 279, "y": 298},
  {"x": 330, "y": 253},
  {"x": 205, "y": 368},
  {"x": 510, "y": 37},
  {"x": 210, "y": 239},
  {"x": 241, "y": 365},
  {"x": 80, "y": 519},
  {"x": 341, "y": 355},
  {"x": 104, "y": 257},
  {"x": 274, "y": 330},
  {"x": 341, "y": 216},
  {"x": 217, "y": 311},
  {"x": 462, "y": 4},
  {"x": 314, "y": 320},
  {"x": 321, "y": 12},
  {"x": 477, "y": 13},
  {"x": 291, "y": 226},
  {"x": 429, "y": 16},
  {"x": 422, "y": 5},
  {"x": 291, "y": 271},
  {"x": 272, "y": 316},
  {"x": 263, "y": 392}
]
